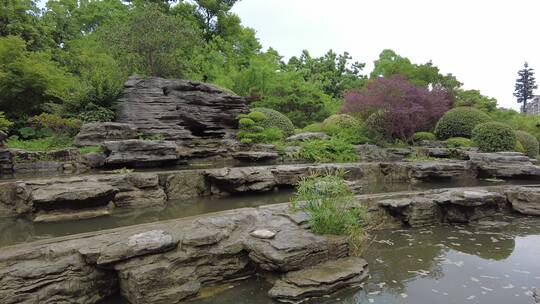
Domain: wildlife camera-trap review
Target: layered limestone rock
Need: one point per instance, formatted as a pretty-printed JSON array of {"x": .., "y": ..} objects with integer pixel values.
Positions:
[
  {"x": 60, "y": 161},
  {"x": 165, "y": 262},
  {"x": 525, "y": 200},
  {"x": 307, "y": 136},
  {"x": 137, "y": 153},
  {"x": 80, "y": 197},
  {"x": 504, "y": 164},
  {"x": 319, "y": 280},
  {"x": 461, "y": 205},
  {"x": 95, "y": 134},
  {"x": 180, "y": 110}
]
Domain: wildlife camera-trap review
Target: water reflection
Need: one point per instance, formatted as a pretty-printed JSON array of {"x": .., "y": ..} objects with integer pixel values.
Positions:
[{"x": 444, "y": 265}]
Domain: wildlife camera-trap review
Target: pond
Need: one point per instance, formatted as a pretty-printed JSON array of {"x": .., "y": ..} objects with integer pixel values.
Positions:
[
  {"x": 14, "y": 231},
  {"x": 443, "y": 265}
]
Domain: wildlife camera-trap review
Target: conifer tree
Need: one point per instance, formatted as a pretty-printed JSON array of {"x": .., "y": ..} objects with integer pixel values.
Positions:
[{"x": 525, "y": 85}]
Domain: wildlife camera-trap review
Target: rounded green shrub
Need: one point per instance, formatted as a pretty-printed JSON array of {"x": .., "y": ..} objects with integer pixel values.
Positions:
[
  {"x": 529, "y": 143},
  {"x": 420, "y": 136},
  {"x": 314, "y": 127},
  {"x": 375, "y": 125},
  {"x": 256, "y": 116},
  {"x": 519, "y": 147},
  {"x": 494, "y": 137},
  {"x": 5, "y": 124},
  {"x": 275, "y": 119},
  {"x": 459, "y": 142},
  {"x": 459, "y": 122},
  {"x": 342, "y": 121},
  {"x": 246, "y": 123}
]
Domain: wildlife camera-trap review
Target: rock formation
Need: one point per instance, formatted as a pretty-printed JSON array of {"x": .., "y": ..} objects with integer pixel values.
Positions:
[
  {"x": 504, "y": 164},
  {"x": 188, "y": 112},
  {"x": 95, "y": 134}
]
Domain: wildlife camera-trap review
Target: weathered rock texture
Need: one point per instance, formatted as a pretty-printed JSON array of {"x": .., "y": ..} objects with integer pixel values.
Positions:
[
  {"x": 80, "y": 197},
  {"x": 94, "y": 134},
  {"x": 504, "y": 164},
  {"x": 307, "y": 136},
  {"x": 179, "y": 110},
  {"x": 89, "y": 195},
  {"x": 319, "y": 280},
  {"x": 164, "y": 262},
  {"x": 136, "y": 153},
  {"x": 59, "y": 161},
  {"x": 525, "y": 200}
]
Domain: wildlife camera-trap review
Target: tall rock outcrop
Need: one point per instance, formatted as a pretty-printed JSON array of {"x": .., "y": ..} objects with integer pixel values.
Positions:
[{"x": 179, "y": 110}]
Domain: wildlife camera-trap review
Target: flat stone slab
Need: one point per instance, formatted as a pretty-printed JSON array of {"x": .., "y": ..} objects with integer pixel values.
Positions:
[
  {"x": 319, "y": 280},
  {"x": 525, "y": 200},
  {"x": 307, "y": 136}
]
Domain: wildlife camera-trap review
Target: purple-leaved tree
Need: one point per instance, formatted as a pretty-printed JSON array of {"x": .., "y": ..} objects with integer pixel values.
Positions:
[{"x": 406, "y": 108}]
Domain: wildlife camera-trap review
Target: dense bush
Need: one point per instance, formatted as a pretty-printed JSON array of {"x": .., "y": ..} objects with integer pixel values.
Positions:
[
  {"x": 95, "y": 113},
  {"x": 459, "y": 122},
  {"x": 494, "y": 137},
  {"x": 334, "y": 149},
  {"x": 459, "y": 142},
  {"x": 529, "y": 143},
  {"x": 56, "y": 124},
  {"x": 376, "y": 127},
  {"x": 405, "y": 108},
  {"x": 420, "y": 136},
  {"x": 43, "y": 144},
  {"x": 341, "y": 121},
  {"x": 260, "y": 135},
  {"x": 314, "y": 127},
  {"x": 275, "y": 119},
  {"x": 328, "y": 201},
  {"x": 5, "y": 123}
]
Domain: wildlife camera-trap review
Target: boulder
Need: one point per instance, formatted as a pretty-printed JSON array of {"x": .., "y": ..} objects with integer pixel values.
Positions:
[
  {"x": 504, "y": 164},
  {"x": 94, "y": 159},
  {"x": 307, "y": 136},
  {"x": 96, "y": 133},
  {"x": 426, "y": 170},
  {"x": 525, "y": 200},
  {"x": 320, "y": 280},
  {"x": 179, "y": 110},
  {"x": 6, "y": 162},
  {"x": 135, "y": 152},
  {"x": 254, "y": 156}
]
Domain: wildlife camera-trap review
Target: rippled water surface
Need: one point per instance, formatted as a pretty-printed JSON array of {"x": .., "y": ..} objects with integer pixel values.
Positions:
[{"x": 451, "y": 264}]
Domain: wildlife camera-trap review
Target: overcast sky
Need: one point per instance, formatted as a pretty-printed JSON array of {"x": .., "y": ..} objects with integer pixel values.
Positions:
[{"x": 482, "y": 42}]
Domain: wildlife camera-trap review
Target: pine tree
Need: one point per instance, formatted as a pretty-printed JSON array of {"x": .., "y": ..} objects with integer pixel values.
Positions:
[{"x": 525, "y": 85}]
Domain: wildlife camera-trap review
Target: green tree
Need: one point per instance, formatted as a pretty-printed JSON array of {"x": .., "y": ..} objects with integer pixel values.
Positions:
[
  {"x": 30, "y": 80},
  {"x": 150, "y": 41},
  {"x": 427, "y": 74},
  {"x": 525, "y": 86},
  {"x": 211, "y": 14},
  {"x": 334, "y": 73},
  {"x": 21, "y": 18},
  {"x": 473, "y": 98}
]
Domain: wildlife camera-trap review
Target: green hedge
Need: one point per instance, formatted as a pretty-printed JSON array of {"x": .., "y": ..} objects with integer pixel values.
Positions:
[
  {"x": 458, "y": 142},
  {"x": 459, "y": 122},
  {"x": 529, "y": 143},
  {"x": 275, "y": 119},
  {"x": 420, "y": 136},
  {"x": 494, "y": 137}
]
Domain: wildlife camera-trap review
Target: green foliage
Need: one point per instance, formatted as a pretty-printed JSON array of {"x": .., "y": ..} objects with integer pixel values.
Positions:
[
  {"x": 494, "y": 137},
  {"x": 94, "y": 113},
  {"x": 5, "y": 123},
  {"x": 390, "y": 63},
  {"x": 459, "y": 122},
  {"x": 341, "y": 121},
  {"x": 29, "y": 80},
  {"x": 314, "y": 127},
  {"x": 376, "y": 128},
  {"x": 259, "y": 134},
  {"x": 529, "y": 143},
  {"x": 518, "y": 121},
  {"x": 55, "y": 124},
  {"x": 256, "y": 116},
  {"x": 459, "y": 142},
  {"x": 327, "y": 150},
  {"x": 274, "y": 119},
  {"x": 92, "y": 149},
  {"x": 329, "y": 203},
  {"x": 43, "y": 144},
  {"x": 420, "y": 136},
  {"x": 246, "y": 123},
  {"x": 473, "y": 98},
  {"x": 519, "y": 148}
]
